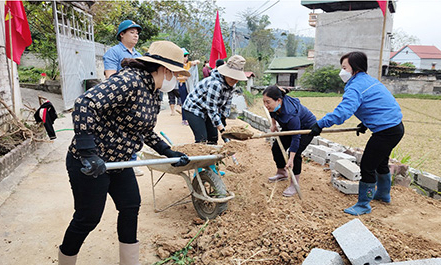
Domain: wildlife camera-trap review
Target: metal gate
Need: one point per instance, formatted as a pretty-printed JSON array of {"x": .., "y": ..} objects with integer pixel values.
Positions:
[{"x": 76, "y": 50}]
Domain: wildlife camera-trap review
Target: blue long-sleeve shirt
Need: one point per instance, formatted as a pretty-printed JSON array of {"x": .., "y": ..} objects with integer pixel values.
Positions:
[
  {"x": 294, "y": 116},
  {"x": 370, "y": 101}
]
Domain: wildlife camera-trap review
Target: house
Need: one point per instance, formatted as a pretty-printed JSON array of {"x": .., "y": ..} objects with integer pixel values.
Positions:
[
  {"x": 286, "y": 70},
  {"x": 350, "y": 25},
  {"x": 422, "y": 56}
]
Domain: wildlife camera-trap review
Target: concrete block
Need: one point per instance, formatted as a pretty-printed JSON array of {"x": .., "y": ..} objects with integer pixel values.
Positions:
[
  {"x": 348, "y": 169},
  {"x": 319, "y": 159},
  {"x": 413, "y": 173},
  {"x": 314, "y": 140},
  {"x": 340, "y": 155},
  {"x": 335, "y": 174},
  {"x": 307, "y": 152},
  {"x": 358, "y": 153},
  {"x": 319, "y": 256},
  {"x": 331, "y": 165},
  {"x": 360, "y": 246},
  {"x": 344, "y": 185},
  {"x": 337, "y": 147},
  {"x": 435, "y": 261},
  {"x": 436, "y": 196},
  {"x": 429, "y": 181},
  {"x": 324, "y": 142},
  {"x": 322, "y": 151}
]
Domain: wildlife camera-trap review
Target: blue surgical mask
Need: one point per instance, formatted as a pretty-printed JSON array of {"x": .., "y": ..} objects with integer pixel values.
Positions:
[{"x": 277, "y": 108}]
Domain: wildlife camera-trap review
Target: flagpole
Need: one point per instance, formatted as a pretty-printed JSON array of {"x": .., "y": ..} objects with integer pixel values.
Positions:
[
  {"x": 12, "y": 61},
  {"x": 380, "y": 67}
]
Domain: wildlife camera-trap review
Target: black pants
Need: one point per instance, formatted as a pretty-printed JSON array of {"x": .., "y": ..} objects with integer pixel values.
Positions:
[
  {"x": 174, "y": 96},
  {"x": 90, "y": 198},
  {"x": 203, "y": 129},
  {"x": 183, "y": 96},
  {"x": 286, "y": 142},
  {"x": 375, "y": 157}
]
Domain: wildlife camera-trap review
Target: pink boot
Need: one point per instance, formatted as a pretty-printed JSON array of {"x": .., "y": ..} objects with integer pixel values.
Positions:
[
  {"x": 281, "y": 174},
  {"x": 291, "y": 190}
]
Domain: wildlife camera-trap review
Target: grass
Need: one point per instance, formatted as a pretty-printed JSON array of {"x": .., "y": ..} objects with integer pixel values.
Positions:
[{"x": 421, "y": 118}]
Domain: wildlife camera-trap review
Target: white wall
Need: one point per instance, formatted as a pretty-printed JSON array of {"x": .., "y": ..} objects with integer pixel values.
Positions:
[{"x": 406, "y": 55}]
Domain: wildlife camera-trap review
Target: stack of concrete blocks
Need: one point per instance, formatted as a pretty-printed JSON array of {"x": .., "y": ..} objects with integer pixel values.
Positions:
[
  {"x": 256, "y": 121},
  {"x": 360, "y": 246}
]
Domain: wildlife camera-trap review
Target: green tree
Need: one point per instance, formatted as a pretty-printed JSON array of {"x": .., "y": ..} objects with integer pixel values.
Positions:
[
  {"x": 324, "y": 79},
  {"x": 107, "y": 15},
  {"x": 292, "y": 44},
  {"x": 40, "y": 20},
  {"x": 189, "y": 24}
]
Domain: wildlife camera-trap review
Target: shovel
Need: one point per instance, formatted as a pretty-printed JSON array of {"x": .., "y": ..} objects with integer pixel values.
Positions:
[{"x": 246, "y": 135}]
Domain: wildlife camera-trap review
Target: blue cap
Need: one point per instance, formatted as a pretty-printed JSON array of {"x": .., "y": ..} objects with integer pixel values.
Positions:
[
  {"x": 126, "y": 24},
  {"x": 185, "y": 51}
]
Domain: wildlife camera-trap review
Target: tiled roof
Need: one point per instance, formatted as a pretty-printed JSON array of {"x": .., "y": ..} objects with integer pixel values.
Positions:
[{"x": 423, "y": 51}]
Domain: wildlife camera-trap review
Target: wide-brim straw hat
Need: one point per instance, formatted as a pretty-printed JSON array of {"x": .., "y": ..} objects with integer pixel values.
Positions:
[
  {"x": 234, "y": 68},
  {"x": 167, "y": 54}
]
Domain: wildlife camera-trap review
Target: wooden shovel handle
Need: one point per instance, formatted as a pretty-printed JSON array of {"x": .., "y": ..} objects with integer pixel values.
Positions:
[{"x": 296, "y": 132}]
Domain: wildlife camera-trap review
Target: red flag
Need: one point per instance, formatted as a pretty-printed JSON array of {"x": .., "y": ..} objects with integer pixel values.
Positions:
[
  {"x": 383, "y": 6},
  {"x": 20, "y": 33},
  {"x": 217, "y": 47}
]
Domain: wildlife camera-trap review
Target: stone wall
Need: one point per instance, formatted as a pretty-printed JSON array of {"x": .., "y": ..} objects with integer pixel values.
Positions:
[{"x": 417, "y": 85}]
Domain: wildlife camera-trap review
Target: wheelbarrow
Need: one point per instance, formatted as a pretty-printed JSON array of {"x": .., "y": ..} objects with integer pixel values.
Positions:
[{"x": 207, "y": 190}]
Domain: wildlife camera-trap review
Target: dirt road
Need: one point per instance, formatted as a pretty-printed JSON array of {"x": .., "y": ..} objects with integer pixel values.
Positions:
[{"x": 255, "y": 228}]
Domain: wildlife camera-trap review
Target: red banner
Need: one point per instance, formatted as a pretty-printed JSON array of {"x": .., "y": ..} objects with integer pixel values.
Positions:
[
  {"x": 217, "y": 47},
  {"x": 20, "y": 35}
]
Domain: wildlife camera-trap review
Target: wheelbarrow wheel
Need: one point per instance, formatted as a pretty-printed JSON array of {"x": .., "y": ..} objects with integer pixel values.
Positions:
[{"x": 215, "y": 188}]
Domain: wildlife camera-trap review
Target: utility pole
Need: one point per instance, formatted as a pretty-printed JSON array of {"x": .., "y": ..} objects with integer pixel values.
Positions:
[{"x": 233, "y": 38}]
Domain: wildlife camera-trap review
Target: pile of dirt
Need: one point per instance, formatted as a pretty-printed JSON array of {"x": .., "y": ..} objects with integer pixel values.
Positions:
[{"x": 263, "y": 227}]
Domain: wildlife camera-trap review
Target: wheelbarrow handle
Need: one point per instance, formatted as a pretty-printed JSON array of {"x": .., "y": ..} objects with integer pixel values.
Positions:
[{"x": 158, "y": 161}]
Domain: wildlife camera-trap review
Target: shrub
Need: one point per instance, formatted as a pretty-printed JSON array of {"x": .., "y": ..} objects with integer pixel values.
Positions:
[
  {"x": 325, "y": 79},
  {"x": 29, "y": 74}
]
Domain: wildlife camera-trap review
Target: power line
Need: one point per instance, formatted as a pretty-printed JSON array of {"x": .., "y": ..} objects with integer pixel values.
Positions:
[
  {"x": 269, "y": 7},
  {"x": 259, "y": 7}
]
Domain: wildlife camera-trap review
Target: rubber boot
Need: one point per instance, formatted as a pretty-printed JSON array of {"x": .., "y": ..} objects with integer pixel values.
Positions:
[
  {"x": 66, "y": 260},
  {"x": 129, "y": 254},
  {"x": 291, "y": 190},
  {"x": 281, "y": 174},
  {"x": 366, "y": 192},
  {"x": 384, "y": 182},
  {"x": 213, "y": 167}
]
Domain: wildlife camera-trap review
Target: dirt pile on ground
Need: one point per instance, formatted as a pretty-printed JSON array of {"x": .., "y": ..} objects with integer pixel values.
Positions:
[{"x": 263, "y": 227}]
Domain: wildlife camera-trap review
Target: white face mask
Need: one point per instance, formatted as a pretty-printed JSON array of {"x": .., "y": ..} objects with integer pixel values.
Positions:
[
  {"x": 345, "y": 75},
  {"x": 168, "y": 85}
]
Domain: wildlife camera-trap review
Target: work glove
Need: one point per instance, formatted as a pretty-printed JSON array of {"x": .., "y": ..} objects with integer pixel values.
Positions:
[
  {"x": 361, "y": 129},
  {"x": 93, "y": 164},
  {"x": 226, "y": 140},
  {"x": 315, "y": 130},
  {"x": 184, "y": 160}
]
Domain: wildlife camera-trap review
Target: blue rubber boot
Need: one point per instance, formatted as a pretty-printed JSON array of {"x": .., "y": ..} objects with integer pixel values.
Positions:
[
  {"x": 384, "y": 182},
  {"x": 366, "y": 192},
  {"x": 213, "y": 167}
]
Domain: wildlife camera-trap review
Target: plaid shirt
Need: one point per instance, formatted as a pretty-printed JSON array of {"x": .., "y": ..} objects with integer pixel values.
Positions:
[
  {"x": 117, "y": 116},
  {"x": 212, "y": 96}
]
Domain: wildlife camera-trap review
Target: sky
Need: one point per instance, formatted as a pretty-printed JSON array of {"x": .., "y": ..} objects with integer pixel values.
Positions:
[{"x": 419, "y": 18}]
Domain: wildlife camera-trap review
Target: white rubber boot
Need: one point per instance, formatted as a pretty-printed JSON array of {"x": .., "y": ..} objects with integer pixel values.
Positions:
[
  {"x": 129, "y": 254},
  {"x": 281, "y": 174},
  {"x": 291, "y": 190},
  {"x": 66, "y": 260}
]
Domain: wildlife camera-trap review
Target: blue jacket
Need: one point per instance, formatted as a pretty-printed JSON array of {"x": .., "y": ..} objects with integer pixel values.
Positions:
[
  {"x": 370, "y": 101},
  {"x": 294, "y": 116}
]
